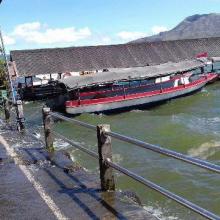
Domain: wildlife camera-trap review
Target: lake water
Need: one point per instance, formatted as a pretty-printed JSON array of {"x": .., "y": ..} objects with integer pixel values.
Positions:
[{"x": 190, "y": 125}]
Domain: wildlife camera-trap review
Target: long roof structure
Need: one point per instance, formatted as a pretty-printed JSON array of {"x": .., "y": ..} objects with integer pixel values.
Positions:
[
  {"x": 115, "y": 75},
  {"x": 60, "y": 60}
]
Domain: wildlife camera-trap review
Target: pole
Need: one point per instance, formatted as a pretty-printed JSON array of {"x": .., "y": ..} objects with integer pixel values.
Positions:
[
  {"x": 124, "y": 92},
  {"x": 79, "y": 99},
  {"x": 7, "y": 68},
  {"x": 20, "y": 115},
  {"x": 105, "y": 153},
  {"x": 6, "y": 109},
  {"x": 48, "y": 123}
]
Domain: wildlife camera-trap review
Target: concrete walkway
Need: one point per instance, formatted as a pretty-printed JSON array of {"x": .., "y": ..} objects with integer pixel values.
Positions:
[{"x": 33, "y": 187}]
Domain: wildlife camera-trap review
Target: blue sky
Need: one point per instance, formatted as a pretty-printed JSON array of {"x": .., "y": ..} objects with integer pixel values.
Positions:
[{"x": 60, "y": 23}]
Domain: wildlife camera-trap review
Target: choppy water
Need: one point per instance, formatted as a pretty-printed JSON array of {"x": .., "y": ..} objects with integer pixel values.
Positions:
[{"x": 190, "y": 125}]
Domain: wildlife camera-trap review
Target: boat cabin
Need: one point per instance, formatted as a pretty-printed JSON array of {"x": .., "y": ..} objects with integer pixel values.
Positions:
[
  {"x": 124, "y": 82},
  {"x": 215, "y": 67}
]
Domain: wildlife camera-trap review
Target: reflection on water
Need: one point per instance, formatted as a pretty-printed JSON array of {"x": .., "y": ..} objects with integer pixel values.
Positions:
[{"x": 190, "y": 125}]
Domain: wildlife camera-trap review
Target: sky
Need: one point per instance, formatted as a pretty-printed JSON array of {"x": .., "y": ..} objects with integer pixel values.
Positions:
[{"x": 30, "y": 24}]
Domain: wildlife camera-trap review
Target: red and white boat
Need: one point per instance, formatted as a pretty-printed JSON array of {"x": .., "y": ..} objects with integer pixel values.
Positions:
[{"x": 106, "y": 95}]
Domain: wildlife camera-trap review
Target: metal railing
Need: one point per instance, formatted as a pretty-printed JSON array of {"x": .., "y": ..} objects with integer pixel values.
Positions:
[{"x": 105, "y": 158}]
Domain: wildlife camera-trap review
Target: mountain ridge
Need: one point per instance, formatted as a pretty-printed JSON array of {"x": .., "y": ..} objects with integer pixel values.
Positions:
[{"x": 192, "y": 27}]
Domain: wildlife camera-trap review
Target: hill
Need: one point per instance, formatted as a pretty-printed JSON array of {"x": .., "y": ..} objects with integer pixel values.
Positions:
[{"x": 195, "y": 26}]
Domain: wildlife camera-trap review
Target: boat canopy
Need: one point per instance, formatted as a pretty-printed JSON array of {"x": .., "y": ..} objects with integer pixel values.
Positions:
[
  {"x": 136, "y": 73},
  {"x": 215, "y": 59}
]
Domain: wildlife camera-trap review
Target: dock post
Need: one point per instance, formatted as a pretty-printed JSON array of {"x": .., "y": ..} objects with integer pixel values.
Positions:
[
  {"x": 105, "y": 153},
  {"x": 6, "y": 109},
  {"x": 20, "y": 115},
  {"x": 48, "y": 122}
]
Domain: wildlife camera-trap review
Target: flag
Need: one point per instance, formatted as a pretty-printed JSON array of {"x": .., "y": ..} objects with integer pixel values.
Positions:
[{"x": 202, "y": 55}]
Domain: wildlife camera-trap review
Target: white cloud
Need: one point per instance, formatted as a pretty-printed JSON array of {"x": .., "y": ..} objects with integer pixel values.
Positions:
[
  {"x": 35, "y": 32},
  {"x": 106, "y": 40},
  {"x": 126, "y": 35},
  {"x": 157, "y": 29},
  {"x": 8, "y": 40}
]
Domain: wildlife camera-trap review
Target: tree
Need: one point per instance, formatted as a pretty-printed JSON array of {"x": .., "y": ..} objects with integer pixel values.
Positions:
[{"x": 2, "y": 74}]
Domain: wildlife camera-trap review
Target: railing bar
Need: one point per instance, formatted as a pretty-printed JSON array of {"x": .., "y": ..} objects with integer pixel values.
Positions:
[
  {"x": 89, "y": 126},
  {"x": 78, "y": 146},
  {"x": 203, "y": 164},
  {"x": 203, "y": 212},
  {"x": 167, "y": 152}
]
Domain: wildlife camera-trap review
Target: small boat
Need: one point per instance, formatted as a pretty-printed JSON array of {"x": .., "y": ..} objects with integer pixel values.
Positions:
[
  {"x": 121, "y": 96},
  {"x": 31, "y": 88}
]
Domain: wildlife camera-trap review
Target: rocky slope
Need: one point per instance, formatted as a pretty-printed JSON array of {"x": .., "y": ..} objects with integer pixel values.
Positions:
[{"x": 195, "y": 26}]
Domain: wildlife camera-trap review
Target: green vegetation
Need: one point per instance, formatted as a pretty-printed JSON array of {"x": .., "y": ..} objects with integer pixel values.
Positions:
[{"x": 2, "y": 75}]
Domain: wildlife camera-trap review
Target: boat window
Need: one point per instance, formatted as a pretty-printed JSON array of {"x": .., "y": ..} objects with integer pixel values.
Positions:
[
  {"x": 194, "y": 78},
  {"x": 197, "y": 71},
  {"x": 208, "y": 68},
  {"x": 162, "y": 79},
  {"x": 122, "y": 83},
  {"x": 176, "y": 83},
  {"x": 158, "y": 80},
  {"x": 216, "y": 66},
  {"x": 150, "y": 81},
  {"x": 186, "y": 80},
  {"x": 165, "y": 78},
  {"x": 135, "y": 83},
  {"x": 181, "y": 81},
  {"x": 28, "y": 81}
]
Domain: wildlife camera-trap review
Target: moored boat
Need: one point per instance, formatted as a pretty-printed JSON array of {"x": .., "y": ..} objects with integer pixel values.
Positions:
[
  {"x": 128, "y": 96},
  {"x": 120, "y": 89}
]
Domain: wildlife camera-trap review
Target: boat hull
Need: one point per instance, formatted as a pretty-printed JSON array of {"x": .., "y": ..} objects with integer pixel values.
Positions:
[{"x": 134, "y": 102}]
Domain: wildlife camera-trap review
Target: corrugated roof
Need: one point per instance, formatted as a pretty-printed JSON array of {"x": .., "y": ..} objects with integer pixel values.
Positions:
[
  {"x": 59, "y": 60},
  {"x": 115, "y": 75}
]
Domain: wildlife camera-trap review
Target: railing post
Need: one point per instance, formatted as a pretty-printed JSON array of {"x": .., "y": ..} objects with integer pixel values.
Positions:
[
  {"x": 6, "y": 109},
  {"x": 105, "y": 153},
  {"x": 20, "y": 115},
  {"x": 48, "y": 122}
]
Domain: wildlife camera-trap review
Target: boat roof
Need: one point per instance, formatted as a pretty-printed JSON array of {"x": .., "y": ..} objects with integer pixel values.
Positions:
[
  {"x": 215, "y": 59},
  {"x": 114, "y": 75}
]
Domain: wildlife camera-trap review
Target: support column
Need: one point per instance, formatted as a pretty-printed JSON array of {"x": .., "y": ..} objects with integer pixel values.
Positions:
[
  {"x": 20, "y": 115},
  {"x": 6, "y": 107},
  {"x": 105, "y": 153},
  {"x": 48, "y": 124}
]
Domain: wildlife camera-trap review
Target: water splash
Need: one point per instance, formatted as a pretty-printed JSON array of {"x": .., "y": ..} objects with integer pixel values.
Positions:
[
  {"x": 205, "y": 150},
  {"x": 59, "y": 143},
  {"x": 204, "y": 125},
  {"x": 137, "y": 111},
  {"x": 37, "y": 135},
  {"x": 158, "y": 213},
  {"x": 204, "y": 90},
  {"x": 117, "y": 158}
]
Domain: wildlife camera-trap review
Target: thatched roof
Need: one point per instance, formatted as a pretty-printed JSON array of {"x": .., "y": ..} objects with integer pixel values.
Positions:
[
  {"x": 59, "y": 60},
  {"x": 115, "y": 75}
]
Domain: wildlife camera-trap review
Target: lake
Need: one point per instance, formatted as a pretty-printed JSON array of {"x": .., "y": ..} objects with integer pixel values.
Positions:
[{"x": 190, "y": 125}]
